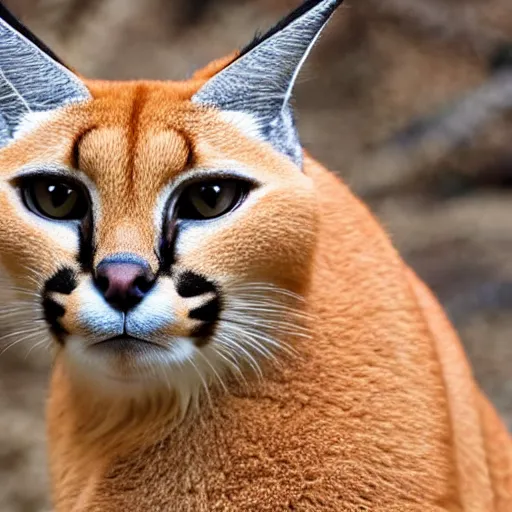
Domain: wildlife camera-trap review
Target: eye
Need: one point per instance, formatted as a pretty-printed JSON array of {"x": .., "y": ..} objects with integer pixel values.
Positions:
[
  {"x": 54, "y": 198},
  {"x": 210, "y": 199}
]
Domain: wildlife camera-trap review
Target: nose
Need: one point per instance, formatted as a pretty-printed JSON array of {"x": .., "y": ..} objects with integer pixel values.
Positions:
[{"x": 124, "y": 280}]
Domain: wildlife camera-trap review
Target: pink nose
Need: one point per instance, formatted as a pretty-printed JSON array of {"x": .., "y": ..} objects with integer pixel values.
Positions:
[{"x": 124, "y": 283}]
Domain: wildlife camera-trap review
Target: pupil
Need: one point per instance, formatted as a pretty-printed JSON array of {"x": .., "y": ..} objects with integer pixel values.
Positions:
[
  {"x": 59, "y": 195},
  {"x": 210, "y": 195}
]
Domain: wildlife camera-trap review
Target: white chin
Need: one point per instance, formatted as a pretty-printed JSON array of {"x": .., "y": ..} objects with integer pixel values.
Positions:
[{"x": 124, "y": 364}]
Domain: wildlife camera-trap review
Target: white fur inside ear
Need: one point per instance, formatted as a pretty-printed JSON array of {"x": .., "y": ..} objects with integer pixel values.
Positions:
[
  {"x": 246, "y": 123},
  {"x": 31, "y": 121}
]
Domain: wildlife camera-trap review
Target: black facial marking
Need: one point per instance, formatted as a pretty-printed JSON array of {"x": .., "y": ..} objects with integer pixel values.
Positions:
[
  {"x": 86, "y": 248},
  {"x": 192, "y": 285},
  {"x": 202, "y": 334},
  {"x": 64, "y": 281},
  {"x": 52, "y": 313},
  {"x": 167, "y": 254},
  {"x": 209, "y": 312}
]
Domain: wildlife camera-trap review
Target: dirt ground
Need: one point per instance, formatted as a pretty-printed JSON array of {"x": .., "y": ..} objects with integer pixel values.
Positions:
[{"x": 379, "y": 71}]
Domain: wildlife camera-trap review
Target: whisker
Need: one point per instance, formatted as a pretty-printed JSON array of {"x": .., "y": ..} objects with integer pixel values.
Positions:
[
  {"x": 261, "y": 349},
  {"x": 24, "y": 307},
  {"x": 265, "y": 303},
  {"x": 14, "y": 314},
  {"x": 44, "y": 342},
  {"x": 279, "y": 345},
  {"x": 159, "y": 369},
  {"x": 266, "y": 344},
  {"x": 250, "y": 288},
  {"x": 290, "y": 329},
  {"x": 290, "y": 304},
  {"x": 16, "y": 342},
  {"x": 247, "y": 356},
  {"x": 257, "y": 315},
  {"x": 17, "y": 333},
  {"x": 22, "y": 291},
  {"x": 213, "y": 369},
  {"x": 271, "y": 309},
  {"x": 231, "y": 363},
  {"x": 29, "y": 303},
  {"x": 205, "y": 386},
  {"x": 31, "y": 277},
  {"x": 31, "y": 270}
]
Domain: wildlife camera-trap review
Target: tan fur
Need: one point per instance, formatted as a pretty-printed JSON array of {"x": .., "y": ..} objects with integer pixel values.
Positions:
[
  {"x": 380, "y": 412},
  {"x": 376, "y": 411}
]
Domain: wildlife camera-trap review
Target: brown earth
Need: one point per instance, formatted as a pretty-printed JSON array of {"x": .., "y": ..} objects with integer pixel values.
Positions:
[{"x": 364, "y": 102}]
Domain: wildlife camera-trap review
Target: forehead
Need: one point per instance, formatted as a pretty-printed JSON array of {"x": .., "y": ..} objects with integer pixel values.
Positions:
[
  {"x": 130, "y": 154},
  {"x": 126, "y": 129},
  {"x": 140, "y": 132},
  {"x": 135, "y": 134}
]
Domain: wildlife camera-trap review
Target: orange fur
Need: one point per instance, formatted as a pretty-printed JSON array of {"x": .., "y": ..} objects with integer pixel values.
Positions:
[{"x": 378, "y": 410}]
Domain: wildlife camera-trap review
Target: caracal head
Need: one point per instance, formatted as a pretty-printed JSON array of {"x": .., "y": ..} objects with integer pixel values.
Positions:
[{"x": 156, "y": 233}]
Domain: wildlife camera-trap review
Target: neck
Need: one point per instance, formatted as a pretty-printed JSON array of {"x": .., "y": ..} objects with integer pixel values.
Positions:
[{"x": 90, "y": 428}]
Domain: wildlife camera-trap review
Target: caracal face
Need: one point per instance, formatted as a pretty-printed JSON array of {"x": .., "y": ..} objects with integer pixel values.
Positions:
[
  {"x": 156, "y": 234},
  {"x": 151, "y": 239}
]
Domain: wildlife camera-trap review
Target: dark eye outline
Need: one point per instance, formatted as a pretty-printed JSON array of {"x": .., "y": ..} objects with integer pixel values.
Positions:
[
  {"x": 244, "y": 187},
  {"x": 25, "y": 186}
]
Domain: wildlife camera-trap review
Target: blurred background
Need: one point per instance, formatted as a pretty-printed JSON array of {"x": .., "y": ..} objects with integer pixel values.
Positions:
[{"x": 409, "y": 101}]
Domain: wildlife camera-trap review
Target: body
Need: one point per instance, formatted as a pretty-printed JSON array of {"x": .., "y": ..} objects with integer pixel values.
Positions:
[
  {"x": 231, "y": 328},
  {"x": 379, "y": 408}
]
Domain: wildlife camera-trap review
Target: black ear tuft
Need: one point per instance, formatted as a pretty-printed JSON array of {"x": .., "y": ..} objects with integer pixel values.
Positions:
[
  {"x": 16, "y": 24},
  {"x": 260, "y": 81},
  {"x": 294, "y": 15},
  {"x": 32, "y": 79}
]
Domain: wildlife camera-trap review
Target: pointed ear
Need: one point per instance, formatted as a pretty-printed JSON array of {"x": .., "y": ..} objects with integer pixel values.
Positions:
[
  {"x": 32, "y": 79},
  {"x": 260, "y": 81}
]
